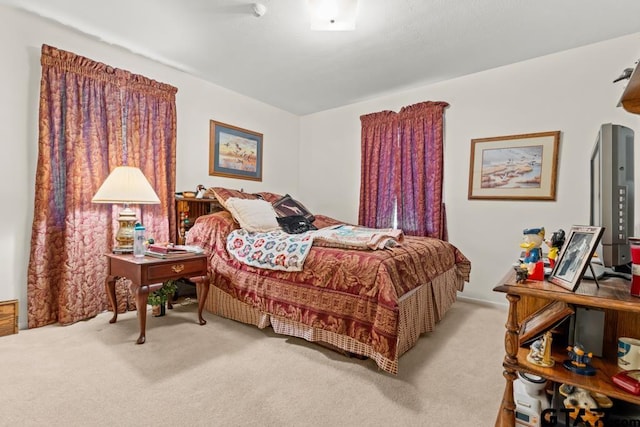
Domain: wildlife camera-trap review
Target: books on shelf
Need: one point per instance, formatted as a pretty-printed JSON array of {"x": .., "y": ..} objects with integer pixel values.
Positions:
[{"x": 170, "y": 250}]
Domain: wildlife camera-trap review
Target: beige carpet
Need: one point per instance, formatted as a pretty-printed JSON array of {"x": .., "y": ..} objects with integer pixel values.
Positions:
[{"x": 230, "y": 374}]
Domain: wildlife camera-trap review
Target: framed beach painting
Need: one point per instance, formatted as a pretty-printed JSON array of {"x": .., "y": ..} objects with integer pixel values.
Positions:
[
  {"x": 514, "y": 167},
  {"x": 234, "y": 152}
]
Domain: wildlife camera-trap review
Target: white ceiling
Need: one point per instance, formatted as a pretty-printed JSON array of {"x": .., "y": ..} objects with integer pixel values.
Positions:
[{"x": 397, "y": 44}]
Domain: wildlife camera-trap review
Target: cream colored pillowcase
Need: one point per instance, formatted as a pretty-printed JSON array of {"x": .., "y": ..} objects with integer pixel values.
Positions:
[{"x": 254, "y": 215}]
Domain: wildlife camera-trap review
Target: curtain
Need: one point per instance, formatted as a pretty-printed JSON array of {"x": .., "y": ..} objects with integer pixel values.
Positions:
[
  {"x": 402, "y": 170},
  {"x": 421, "y": 210},
  {"x": 150, "y": 144},
  {"x": 83, "y": 135},
  {"x": 379, "y": 166}
]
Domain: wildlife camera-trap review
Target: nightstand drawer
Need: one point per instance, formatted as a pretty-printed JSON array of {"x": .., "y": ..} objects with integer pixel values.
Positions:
[
  {"x": 184, "y": 268},
  {"x": 8, "y": 317}
]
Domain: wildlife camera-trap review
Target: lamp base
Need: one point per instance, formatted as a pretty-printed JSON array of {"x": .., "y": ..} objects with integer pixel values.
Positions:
[{"x": 124, "y": 236}]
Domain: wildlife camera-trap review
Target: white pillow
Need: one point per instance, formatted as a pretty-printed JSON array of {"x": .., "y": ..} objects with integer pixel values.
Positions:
[{"x": 254, "y": 215}]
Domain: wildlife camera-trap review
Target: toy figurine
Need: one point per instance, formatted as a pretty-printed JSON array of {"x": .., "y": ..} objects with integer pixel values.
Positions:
[
  {"x": 579, "y": 360},
  {"x": 200, "y": 190},
  {"x": 533, "y": 238},
  {"x": 540, "y": 351},
  {"x": 521, "y": 273},
  {"x": 555, "y": 244},
  {"x": 584, "y": 405}
]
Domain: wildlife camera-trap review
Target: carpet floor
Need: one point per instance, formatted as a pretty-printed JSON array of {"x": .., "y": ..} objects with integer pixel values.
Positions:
[{"x": 229, "y": 374}]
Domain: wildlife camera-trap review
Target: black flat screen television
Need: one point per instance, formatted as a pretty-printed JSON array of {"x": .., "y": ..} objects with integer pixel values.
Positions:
[{"x": 612, "y": 194}]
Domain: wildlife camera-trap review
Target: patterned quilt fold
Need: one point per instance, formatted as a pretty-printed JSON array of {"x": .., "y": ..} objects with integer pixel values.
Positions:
[{"x": 275, "y": 250}]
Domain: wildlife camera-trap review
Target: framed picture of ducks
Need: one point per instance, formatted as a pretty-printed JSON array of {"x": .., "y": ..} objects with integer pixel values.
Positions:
[
  {"x": 234, "y": 152},
  {"x": 514, "y": 167}
]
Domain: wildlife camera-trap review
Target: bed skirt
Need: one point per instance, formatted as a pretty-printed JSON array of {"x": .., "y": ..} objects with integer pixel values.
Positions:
[{"x": 420, "y": 310}]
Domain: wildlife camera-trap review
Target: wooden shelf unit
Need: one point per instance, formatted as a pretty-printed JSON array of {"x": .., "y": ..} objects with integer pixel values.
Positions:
[
  {"x": 188, "y": 209},
  {"x": 622, "y": 318}
]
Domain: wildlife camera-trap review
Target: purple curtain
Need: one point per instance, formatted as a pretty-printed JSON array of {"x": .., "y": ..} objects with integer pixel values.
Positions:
[
  {"x": 403, "y": 186},
  {"x": 150, "y": 144},
  {"x": 81, "y": 128},
  {"x": 380, "y": 180}
]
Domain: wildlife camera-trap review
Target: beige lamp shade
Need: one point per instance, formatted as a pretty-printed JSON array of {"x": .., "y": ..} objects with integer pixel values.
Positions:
[{"x": 128, "y": 185}]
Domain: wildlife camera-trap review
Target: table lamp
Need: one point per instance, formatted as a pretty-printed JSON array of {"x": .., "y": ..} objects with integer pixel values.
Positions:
[{"x": 126, "y": 185}]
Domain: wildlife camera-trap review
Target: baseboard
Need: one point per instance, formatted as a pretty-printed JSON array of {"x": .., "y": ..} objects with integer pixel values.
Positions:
[{"x": 486, "y": 303}]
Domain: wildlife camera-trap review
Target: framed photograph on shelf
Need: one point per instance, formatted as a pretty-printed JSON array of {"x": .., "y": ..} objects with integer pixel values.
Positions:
[
  {"x": 575, "y": 256},
  {"x": 515, "y": 167},
  {"x": 234, "y": 152},
  {"x": 544, "y": 319}
]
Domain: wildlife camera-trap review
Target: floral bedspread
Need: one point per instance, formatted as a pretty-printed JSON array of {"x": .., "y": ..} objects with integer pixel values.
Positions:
[{"x": 344, "y": 291}]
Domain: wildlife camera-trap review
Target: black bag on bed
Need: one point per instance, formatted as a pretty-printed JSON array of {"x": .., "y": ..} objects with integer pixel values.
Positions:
[{"x": 295, "y": 224}]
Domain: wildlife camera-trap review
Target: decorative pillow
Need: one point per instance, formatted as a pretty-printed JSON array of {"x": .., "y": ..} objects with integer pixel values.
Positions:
[
  {"x": 223, "y": 194},
  {"x": 287, "y": 206},
  {"x": 253, "y": 215}
]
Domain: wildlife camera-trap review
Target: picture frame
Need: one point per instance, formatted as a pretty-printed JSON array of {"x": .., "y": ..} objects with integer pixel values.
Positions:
[
  {"x": 544, "y": 319},
  {"x": 575, "y": 256},
  {"x": 234, "y": 152},
  {"x": 514, "y": 167}
]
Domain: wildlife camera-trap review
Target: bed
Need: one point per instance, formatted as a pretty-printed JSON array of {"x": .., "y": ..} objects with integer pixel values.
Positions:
[{"x": 371, "y": 303}]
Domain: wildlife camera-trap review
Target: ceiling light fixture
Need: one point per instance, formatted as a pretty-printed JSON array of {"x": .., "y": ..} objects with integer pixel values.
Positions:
[
  {"x": 333, "y": 15},
  {"x": 259, "y": 9}
]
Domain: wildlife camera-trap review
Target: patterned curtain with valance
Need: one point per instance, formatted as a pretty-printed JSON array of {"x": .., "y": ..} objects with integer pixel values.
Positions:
[
  {"x": 92, "y": 118},
  {"x": 402, "y": 160}
]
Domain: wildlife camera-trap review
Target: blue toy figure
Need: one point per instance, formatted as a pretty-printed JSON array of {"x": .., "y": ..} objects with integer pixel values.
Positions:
[{"x": 579, "y": 360}]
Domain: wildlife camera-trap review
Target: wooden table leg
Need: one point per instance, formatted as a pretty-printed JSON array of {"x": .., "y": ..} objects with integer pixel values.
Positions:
[
  {"x": 110, "y": 287},
  {"x": 506, "y": 416},
  {"x": 142, "y": 293},
  {"x": 202, "y": 290}
]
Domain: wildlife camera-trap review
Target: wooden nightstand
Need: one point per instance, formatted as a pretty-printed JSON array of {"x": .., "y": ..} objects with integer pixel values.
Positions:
[{"x": 148, "y": 274}]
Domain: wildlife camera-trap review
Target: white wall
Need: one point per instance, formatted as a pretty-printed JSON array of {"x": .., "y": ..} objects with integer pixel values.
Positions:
[
  {"x": 570, "y": 91},
  {"x": 21, "y": 37}
]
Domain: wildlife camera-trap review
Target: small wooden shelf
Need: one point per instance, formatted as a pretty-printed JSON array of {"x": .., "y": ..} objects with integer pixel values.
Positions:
[
  {"x": 188, "y": 209},
  {"x": 600, "y": 382},
  {"x": 630, "y": 99}
]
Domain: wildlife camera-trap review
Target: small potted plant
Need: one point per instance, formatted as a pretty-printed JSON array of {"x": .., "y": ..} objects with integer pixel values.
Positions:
[{"x": 159, "y": 297}]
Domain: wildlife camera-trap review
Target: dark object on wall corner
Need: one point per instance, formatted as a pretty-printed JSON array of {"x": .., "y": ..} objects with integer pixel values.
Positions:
[
  {"x": 626, "y": 73},
  {"x": 295, "y": 224}
]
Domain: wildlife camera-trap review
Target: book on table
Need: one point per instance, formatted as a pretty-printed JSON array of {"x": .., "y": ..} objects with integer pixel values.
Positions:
[{"x": 165, "y": 251}]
